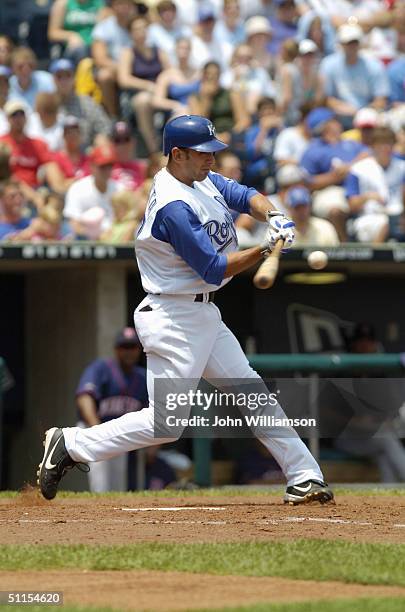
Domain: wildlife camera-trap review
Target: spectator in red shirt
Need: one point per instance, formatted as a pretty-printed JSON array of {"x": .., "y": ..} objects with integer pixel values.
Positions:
[
  {"x": 126, "y": 170},
  {"x": 71, "y": 160},
  {"x": 29, "y": 155}
]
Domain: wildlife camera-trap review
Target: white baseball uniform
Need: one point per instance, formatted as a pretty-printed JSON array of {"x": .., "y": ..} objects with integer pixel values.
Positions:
[{"x": 181, "y": 250}]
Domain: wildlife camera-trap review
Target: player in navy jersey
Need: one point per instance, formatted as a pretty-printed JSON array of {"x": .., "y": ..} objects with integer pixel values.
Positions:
[{"x": 109, "y": 388}]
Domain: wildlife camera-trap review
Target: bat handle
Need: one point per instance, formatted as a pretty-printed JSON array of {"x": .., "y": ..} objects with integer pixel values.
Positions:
[{"x": 266, "y": 274}]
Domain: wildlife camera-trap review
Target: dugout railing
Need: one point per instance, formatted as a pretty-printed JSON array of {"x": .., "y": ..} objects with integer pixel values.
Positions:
[{"x": 311, "y": 367}]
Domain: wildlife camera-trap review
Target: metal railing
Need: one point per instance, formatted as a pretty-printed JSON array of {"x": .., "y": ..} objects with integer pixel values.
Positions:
[{"x": 312, "y": 366}]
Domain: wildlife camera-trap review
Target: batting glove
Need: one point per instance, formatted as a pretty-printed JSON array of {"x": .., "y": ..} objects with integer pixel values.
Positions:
[{"x": 280, "y": 227}]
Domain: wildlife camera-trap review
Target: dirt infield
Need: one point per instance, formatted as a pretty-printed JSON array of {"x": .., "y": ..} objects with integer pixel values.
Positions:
[
  {"x": 29, "y": 519},
  {"x": 165, "y": 591}
]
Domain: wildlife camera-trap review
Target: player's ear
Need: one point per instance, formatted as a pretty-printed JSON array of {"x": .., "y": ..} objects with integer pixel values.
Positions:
[{"x": 177, "y": 154}]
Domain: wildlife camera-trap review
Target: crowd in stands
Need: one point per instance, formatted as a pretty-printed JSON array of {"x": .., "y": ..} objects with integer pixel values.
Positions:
[{"x": 309, "y": 95}]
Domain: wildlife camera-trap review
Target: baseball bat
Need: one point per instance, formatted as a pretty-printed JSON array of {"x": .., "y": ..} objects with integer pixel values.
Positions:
[{"x": 266, "y": 274}]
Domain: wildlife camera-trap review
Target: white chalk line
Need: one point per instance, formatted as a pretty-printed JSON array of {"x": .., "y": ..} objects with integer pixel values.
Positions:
[
  {"x": 262, "y": 522},
  {"x": 172, "y": 509}
]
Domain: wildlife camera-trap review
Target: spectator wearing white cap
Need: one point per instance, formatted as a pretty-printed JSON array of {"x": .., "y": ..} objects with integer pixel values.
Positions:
[
  {"x": 258, "y": 37},
  {"x": 353, "y": 80},
  {"x": 364, "y": 122},
  {"x": 230, "y": 27},
  {"x": 309, "y": 230},
  {"x": 300, "y": 82},
  {"x": 31, "y": 161}
]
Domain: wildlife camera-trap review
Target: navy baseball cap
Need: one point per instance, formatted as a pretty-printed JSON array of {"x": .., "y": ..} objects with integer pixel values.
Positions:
[
  {"x": 205, "y": 13},
  {"x": 61, "y": 65},
  {"x": 127, "y": 337},
  {"x": 317, "y": 118},
  {"x": 297, "y": 196}
]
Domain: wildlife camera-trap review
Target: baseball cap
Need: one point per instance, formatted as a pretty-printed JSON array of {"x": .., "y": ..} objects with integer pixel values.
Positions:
[
  {"x": 366, "y": 117},
  {"x": 257, "y": 25},
  {"x": 289, "y": 174},
  {"x": 103, "y": 155},
  {"x": 307, "y": 46},
  {"x": 5, "y": 71},
  {"x": 127, "y": 337},
  {"x": 13, "y": 106},
  {"x": 205, "y": 13},
  {"x": 70, "y": 121},
  {"x": 61, "y": 65},
  {"x": 317, "y": 118},
  {"x": 297, "y": 196},
  {"x": 349, "y": 32},
  {"x": 121, "y": 131}
]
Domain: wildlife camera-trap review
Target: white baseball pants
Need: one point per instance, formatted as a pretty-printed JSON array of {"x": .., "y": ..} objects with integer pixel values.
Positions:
[
  {"x": 109, "y": 475},
  {"x": 184, "y": 339}
]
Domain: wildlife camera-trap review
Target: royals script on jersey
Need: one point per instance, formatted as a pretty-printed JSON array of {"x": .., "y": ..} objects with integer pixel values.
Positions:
[{"x": 186, "y": 233}]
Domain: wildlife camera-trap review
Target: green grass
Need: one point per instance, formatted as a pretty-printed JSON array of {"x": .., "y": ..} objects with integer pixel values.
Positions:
[
  {"x": 212, "y": 493},
  {"x": 302, "y": 559},
  {"x": 344, "y": 605}
]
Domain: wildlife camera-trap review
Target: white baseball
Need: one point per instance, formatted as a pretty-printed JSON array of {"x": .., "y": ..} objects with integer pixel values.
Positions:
[{"x": 317, "y": 260}]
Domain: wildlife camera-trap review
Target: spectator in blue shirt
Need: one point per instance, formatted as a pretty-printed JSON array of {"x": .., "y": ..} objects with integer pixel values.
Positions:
[
  {"x": 396, "y": 75},
  {"x": 353, "y": 80},
  {"x": 284, "y": 24},
  {"x": 26, "y": 81},
  {"x": 230, "y": 27},
  {"x": 11, "y": 206},
  {"x": 259, "y": 144},
  {"x": 327, "y": 160}
]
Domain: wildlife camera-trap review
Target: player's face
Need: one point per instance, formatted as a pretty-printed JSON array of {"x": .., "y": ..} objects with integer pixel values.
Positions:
[
  {"x": 198, "y": 164},
  {"x": 128, "y": 356}
]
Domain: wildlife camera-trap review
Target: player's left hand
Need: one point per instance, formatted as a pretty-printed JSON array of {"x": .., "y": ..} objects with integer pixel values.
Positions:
[{"x": 280, "y": 228}]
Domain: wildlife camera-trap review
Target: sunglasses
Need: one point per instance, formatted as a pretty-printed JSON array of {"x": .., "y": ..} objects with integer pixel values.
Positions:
[{"x": 18, "y": 113}]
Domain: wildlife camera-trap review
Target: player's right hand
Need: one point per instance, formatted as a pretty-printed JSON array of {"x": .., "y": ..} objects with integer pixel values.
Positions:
[{"x": 280, "y": 227}]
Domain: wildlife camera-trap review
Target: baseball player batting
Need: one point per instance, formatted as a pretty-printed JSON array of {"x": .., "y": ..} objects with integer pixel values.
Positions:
[{"x": 186, "y": 248}]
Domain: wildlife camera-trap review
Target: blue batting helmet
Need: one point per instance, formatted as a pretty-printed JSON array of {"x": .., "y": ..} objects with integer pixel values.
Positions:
[{"x": 191, "y": 132}]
